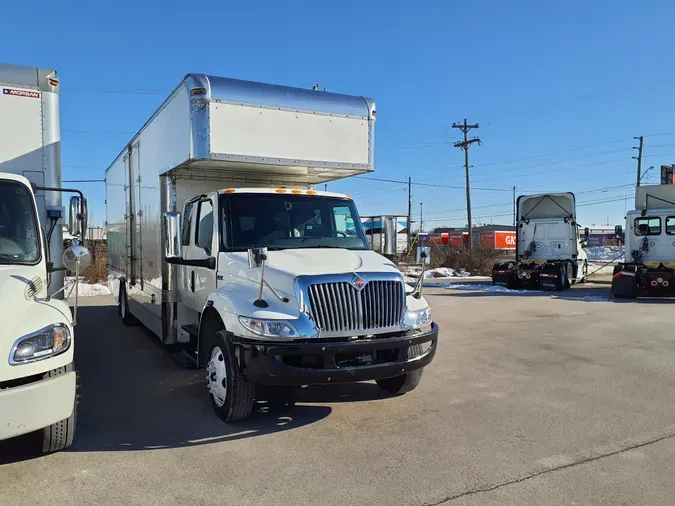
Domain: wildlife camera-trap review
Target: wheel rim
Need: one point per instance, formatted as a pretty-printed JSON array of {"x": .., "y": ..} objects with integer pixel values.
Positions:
[{"x": 216, "y": 376}]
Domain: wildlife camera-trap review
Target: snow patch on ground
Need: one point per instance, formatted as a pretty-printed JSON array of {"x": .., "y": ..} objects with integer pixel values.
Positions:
[
  {"x": 479, "y": 287},
  {"x": 439, "y": 272},
  {"x": 84, "y": 289},
  {"x": 585, "y": 298}
]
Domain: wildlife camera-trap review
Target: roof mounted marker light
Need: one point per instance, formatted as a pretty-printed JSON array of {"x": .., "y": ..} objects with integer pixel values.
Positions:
[{"x": 198, "y": 91}]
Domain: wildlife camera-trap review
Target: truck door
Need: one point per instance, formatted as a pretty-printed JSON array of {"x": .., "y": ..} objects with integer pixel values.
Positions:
[{"x": 200, "y": 282}]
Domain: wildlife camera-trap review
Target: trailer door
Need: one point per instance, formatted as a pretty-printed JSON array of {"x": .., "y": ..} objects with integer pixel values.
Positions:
[{"x": 129, "y": 218}]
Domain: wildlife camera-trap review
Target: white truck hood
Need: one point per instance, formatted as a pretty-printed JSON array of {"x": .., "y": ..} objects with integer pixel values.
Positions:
[
  {"x": 20, "y": 316},
  {"x": 284, "y": 266}
]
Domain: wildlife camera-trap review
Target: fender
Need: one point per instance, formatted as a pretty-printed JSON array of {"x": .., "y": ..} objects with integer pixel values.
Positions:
[{"x": 236, "y": 297}]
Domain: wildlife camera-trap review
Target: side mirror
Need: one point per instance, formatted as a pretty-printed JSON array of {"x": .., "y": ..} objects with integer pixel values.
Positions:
[
  {"x": 77, "y": 217},
  {"x": 618, "y": 232},
  {"x": 256, "y": 257},
  {"x": 173, "y": 247},
  {"x": 587, "y": 234}
]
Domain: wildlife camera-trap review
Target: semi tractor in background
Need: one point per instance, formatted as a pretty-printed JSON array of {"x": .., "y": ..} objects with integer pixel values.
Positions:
[
  {"x": 37, "y": 378},
  {"x": 549, "y": 245},
  {"x": 649, "y": 245},
  {"x": 220, "y": 245}
]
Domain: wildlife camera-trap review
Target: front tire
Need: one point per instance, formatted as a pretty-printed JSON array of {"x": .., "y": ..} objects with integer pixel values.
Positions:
[
  {"x": 59, "y": 435},
  {"x": 231, "y": 394},
  {"x": 403, "y": 383}
]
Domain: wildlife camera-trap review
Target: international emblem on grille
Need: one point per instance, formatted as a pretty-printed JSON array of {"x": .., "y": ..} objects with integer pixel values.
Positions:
[{"x": 358, "y": 282}]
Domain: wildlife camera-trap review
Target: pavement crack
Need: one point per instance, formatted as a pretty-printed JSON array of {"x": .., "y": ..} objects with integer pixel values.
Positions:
[{"x": 577, "y": 462}]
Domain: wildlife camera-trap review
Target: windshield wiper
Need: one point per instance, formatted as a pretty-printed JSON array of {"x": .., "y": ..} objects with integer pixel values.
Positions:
[{"x": 321, "y": 246}]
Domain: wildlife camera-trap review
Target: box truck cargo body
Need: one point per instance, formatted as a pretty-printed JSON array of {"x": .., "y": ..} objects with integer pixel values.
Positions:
[
  {"x": 220, "y": 245},
  {"x": 37, "y": 379}
]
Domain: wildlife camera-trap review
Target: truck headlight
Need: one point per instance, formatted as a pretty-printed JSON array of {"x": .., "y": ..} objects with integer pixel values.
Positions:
[
  {"x": 44, "y": 343},
  {"x": 418, "y": 319},
  {"x": 269, "y": 328}
]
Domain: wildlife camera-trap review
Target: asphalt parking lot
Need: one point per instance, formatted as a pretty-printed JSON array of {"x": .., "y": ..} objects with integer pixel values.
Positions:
[{"x": 530, "y": 400}]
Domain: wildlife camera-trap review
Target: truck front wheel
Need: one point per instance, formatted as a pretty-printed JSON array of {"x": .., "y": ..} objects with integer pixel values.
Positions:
[
  {"x": 403, "y": 382},
  {"x": 59, "y": 435},
  {"x": 231, "y": 394}
]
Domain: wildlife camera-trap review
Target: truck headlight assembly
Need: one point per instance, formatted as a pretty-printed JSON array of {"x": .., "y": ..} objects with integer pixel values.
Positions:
[
  {"x": 269, "y": 328},
  {"x": 47, "y": 342},
  {"x": 418, "y": 319}
]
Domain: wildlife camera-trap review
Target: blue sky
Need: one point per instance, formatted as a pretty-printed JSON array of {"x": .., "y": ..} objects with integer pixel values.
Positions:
[{"x": 574, "y": 81}]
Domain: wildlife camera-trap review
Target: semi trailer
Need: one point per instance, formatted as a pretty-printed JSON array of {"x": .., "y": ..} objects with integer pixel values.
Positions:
[
  {"x": 549, "y": 245},
  {"x": 649, "y": 245},
  {"x": 219, "y": 243},
  {"x": 37, "y": 377}
]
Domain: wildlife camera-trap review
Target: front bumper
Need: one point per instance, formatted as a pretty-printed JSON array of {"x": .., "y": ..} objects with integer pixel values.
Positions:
[
  {"x": 307, "y": 363},
  {"x": 36, "y": 405}
]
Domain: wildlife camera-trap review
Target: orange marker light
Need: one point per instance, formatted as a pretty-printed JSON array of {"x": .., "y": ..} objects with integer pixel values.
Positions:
[
  {"x": 296, "y": 192},
  {"x": 280, "y": 190},
  {"x": 198, "y": 91},
  {"x": 311, "y": 192},
  {"x": 229, "y": 190}
]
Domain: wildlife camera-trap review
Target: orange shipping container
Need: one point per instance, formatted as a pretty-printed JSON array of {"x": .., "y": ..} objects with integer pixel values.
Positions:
[{"x": 498, "y": 240}]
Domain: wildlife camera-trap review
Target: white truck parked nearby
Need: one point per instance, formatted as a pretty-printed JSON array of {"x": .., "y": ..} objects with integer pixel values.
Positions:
[
  {"x": 219, "y": 244},
  {"x": 549, "y": 247},
  {"x": 649, "y": 245},
  {"x": 37, "y": 380}
]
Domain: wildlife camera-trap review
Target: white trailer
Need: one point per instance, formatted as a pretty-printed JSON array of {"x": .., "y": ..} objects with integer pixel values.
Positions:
[
  {"x": 219, "y": 244},
  {"x": 649, "y": 258},
  {"x": 549, "y": 245},
  {"x": 37, "y": 380}
]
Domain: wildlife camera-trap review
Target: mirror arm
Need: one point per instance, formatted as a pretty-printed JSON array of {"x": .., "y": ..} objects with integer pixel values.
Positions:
[{"x": 276, "y": 294}]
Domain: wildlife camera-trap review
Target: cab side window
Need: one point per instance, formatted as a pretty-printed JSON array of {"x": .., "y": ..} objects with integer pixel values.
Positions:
[
  {"x": 185, "y": 232},
  {"x": 670, "y": 225},
  {"x": 204, "y": 232},
  {"x": 647, "y": 226}
]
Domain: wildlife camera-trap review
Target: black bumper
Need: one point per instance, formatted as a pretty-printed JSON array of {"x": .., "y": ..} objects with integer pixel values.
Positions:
[{"x": 307, "y": 363}]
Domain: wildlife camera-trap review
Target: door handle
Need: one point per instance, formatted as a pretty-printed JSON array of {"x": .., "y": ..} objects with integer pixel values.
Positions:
[{"x": 192, "y": 281}]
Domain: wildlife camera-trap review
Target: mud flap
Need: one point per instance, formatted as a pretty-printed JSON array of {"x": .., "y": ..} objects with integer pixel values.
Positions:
[
  {"x": 551, "y": 277},
  {"x": 624, "y": 282},
  {"x": 503, "y": 275}
]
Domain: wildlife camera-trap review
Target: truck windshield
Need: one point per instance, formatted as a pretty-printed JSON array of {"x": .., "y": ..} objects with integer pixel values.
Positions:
[
  {"x": 19, "y": 239},
  {"x": 281, "y": 221}
]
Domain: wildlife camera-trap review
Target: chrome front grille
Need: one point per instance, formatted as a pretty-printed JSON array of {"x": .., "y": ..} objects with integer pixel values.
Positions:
[{"x": 340, "y": 307}]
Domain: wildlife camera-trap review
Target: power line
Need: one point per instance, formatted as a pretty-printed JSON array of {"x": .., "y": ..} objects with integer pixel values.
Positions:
[{"x": 431, "y": 184}]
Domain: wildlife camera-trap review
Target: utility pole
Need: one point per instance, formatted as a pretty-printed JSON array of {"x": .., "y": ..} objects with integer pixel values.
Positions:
[
  {"x": 409, "y": 211},
  {"x": 639, "y": 159},
  {"x": 514, "y": 206},
  {"x": 421, "y": 218},
  {"x": 464, "y": 127}
]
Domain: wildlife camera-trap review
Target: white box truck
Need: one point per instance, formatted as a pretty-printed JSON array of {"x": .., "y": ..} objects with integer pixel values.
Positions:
[
  {"x": 649, "y": 245},
  {"x": 549, "y": 245},
  {"x": 37, "y": 380},
  {"x": 219, "y": 244}
]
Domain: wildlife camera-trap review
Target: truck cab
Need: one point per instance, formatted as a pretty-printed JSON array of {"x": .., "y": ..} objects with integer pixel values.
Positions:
[
  {"x": 37, "y": 379},
  {"x": 549, "y": 245},
  {"x": 649, "y": 245},
  {"x": 284, "y": 280}
]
